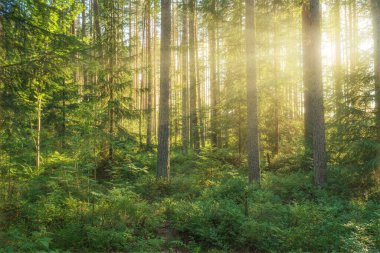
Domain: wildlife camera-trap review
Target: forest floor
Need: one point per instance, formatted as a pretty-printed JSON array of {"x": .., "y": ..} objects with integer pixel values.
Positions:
[{"x": 208, "y": 206}]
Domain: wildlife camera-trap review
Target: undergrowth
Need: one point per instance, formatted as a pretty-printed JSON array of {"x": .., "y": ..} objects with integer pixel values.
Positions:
[{"x": 208, "y": 206}]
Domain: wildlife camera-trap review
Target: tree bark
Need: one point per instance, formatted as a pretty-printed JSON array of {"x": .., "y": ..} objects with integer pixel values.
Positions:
[
  {"x": 375, "y": 6},
  {"x": 338, "y": 75},
  {"x": 84, "y": 34},
  {"x": 149, "y": 80},
  {"x": 194, "y": 131},
  {"x": 252, "y": 117},
  {"x": 199, "y": 90},
  {"x": 306, "y": 47},
  {"x": 213, "y": 78},
  {"x": 277, "y": 90},
  {"x": 38, "y": 143},
  {"x": 142, "y": 82},
  {"x": 185, "y": 84},
  {"x": 316, "y": 94},
  {"x": 163, "y": 160},
  {"x": 154, "y": 72},
  {"x": 97, "y": 25},
  {"x": 84, "y": 19}
]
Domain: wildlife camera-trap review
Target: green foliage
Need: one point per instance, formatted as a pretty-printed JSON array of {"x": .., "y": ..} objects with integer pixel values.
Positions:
[
  {"x": 212, "y": 209},
  {"x": 96, "y": 188}
]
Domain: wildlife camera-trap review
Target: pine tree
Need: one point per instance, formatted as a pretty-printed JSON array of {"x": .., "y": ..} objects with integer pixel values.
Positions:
[
  {"x": 194, "y": 127},
  {"x": 375, "y": 6},
  {"x": 252, "y": 103},
  {"x": 163, "y": 159},
  {"x": 315, "y": 90},
  {"x": 185, "y": 83}
]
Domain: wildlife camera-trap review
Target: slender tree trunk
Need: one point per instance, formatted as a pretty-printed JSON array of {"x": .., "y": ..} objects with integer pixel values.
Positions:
[
  {"x": 174, "y": 71},
  {"x": 347, "y": 39},
  {"x": 252, "y": 117},
  {"x": 136, "y": 72},
  {"x": 194, "y": 131},
  {"x": 149, "y": 80},
  {"x": 213, "y": 79},
  {"x": 316, "y": 92},
  {"x": 97, "y": 25},
  {"x": 163, "y": 160},
  {"x": 84, "y": 27},
  {"x": 142, "y": 83},
  {"x": 198, "y": 83},
  {"x": 90, "y": 18},
  {"x": 112, "y": 63},
  {"x": 217, "y": 88},
  {"x": 154, "y": 73},
  {"x": 277, "y": 90},
  {"x": 130, "y": 30},
  {"x": 84, "y": 19},
  {"x": 338, "y": 75},
  {"x": 98, "y": 54},
  {"x": 38, "y": 143},
  {"x": 240, "y": 141},
  {"x": 185, "y": 84},
  {"x": 306, "y": 47},
  {"x": 63, "y": 123},
  {"x": 375, "y": 6},
  {"x": 353, "y": 34}
]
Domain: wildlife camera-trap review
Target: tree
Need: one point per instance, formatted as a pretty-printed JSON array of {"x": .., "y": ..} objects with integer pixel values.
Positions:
[
  {"x": 194, "y": 128},
  {"x": 185, "y": 83},
  {"x": 252, "y": 101},
  {"x": 306, "y": 48},
  {"x": 314, "y": 87},
  {"x": 375, "y": 7},
  {"x": 149, "y": 79},
  {"x": 163, "y": 160},
  {"x": 213, "y": 76},
  {"x": 338, "y": 75},
  {"x": 277, "y": 91}
]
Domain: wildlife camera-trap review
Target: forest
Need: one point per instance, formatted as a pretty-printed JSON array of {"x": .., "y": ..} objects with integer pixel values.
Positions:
[{"x": 189, "y": 126}]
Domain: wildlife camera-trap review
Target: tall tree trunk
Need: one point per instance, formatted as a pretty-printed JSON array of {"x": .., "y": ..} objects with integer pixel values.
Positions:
[
  {"x": 136, "y": 72},
  {"x": 199, "y": 90},
  {"x": 163, "y": 160},
  {"x": 149, "y": 80},
  {"x": 240, "y": 130},
  {"x": 316, "y": 93},
  {"x": 97, "y": 25},
  {"x": 83, "y": 36},
  {"x": 252, "y": 117},
  {"x": 277, "y": 90},
  {"x": 194, "y": 131},
  {"x": 375, "y": 6},
  {"x": 112, "y": 63},
  {"x": 174, "y": 71},
  {"x": 63, "y": 123},
  {"x": 98, "y": 54},
  {"x": 347, "y": 40},
  {"x": 353, "y": 34},
  {"x": 217, "y": 88},
  {"x": 154, "y": 72},
  {"x": 142, "y": 83},
  {"x": 185, "y": 84},
  {"x": 306, "y": 47},
  {"x": 213, "y": 78},
  {"x": 338, "y": 75},
  {"x": 84, "y": 19},
  {"x": 38, "y": 142}
]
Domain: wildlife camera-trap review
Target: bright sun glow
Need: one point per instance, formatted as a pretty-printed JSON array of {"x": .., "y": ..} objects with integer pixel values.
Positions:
[{"x": 364, "y": 40}]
